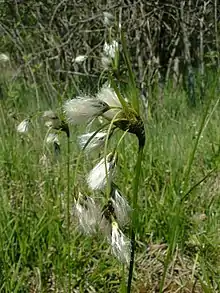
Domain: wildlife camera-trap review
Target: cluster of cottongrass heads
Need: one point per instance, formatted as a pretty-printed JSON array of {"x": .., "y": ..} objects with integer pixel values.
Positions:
[
  {"x": 114, "y": 112},
  {"x": 115, "y": 214}
]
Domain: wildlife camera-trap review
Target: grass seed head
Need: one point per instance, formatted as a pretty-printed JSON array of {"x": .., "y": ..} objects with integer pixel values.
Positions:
[
  {"x": 96, "y": 141},
  {"x": 97, "y": 178},
  {"x": 121, "y": 207},
  {"x": 88, "y": 214},
  {"x": 108, "y": 95},
  {"x": 81, "y": 110},
  {"x": 108, "y": 18},
  {"x": 52, "y": 138},
  {"x": 4, "y": 58},
  {"x": 111, "y": 49},
  {"x": 23, "y": 126},
  {"x": 80, "y": 59},
  {"x": 120, "y": 244}
]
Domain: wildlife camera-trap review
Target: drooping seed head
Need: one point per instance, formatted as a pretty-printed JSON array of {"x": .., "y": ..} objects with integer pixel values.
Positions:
[
  {"x": 121, "y": 207},
  {"x": 52, "y": 138},
  {"x": 88, "y": 214},
  {"x": 81, "y": 110},
  {"x": 108, "y": 95},
  {"x": 97, "y": 178},
  {"x": 111, "y": 49},
  {"x": 120, "y": 244},
  {"x": 23, "y": 126},
  {"x": 96, "y": 141},
  {"x": 108, "y": 18},
  {"x": 4, "y": 58},
  {"x": 80, "y": 59}
]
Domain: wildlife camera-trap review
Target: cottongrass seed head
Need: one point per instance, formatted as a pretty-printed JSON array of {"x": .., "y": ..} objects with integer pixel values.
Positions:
[
  {"x": 111, "y": 49},
  {"x": 109, "y": 53},
  {"x": 120, "y": 206},
  {"x": 120, "y": 244},
  {"x": 23, "y": 126},
  {"x": 4, "y": 58},
  {"x": 81, "y": 110},
  {"x": 108, "y": 18},
  {"x": 52, "y": 138},
  {"x": 88, "y": 214},
  {"x": 96, "y": 141},
  {"x": 80, "y": 59},
  {"x": 109, "y": 96},
  {"x": 97, "y": 178}
]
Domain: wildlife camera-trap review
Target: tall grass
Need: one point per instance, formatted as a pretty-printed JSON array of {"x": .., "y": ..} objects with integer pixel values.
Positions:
[{"x": 177, "y": 240}]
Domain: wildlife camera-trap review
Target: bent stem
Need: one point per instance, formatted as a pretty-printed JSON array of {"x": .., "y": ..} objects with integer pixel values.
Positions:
[{"x": 134, "y": 220}]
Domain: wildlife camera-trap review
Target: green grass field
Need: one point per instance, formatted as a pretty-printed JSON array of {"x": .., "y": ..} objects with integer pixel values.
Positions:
[{"x": 178, "y": 239}]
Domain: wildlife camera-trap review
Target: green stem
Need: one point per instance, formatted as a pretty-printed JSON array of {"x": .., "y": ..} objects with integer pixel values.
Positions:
[
  {"x": 68, "y": 213},
  {"x": 134, "y": 220}
]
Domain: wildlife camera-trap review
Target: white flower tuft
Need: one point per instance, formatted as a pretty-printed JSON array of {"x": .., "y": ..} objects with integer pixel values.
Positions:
[
  {"x": 109, "y": 96},
  {"x": 108, "y": 18},
  {"x": 80, "y": 110},
  {"x": 52, "y": 138},
  {"x": 120, "y": 244},
  {"x": 88, "y": 214},
  {"x": 4, "y": 58},
  {"x": 97, "y": 178},
  {"x": 80, "y": 59},
  {"x": 23, "y": 126},
  {"x": 96, "y": 142},
  {"x": 111, "y": 49},
  {"x": 109, "y": 53},
  {"x": 121, "y": 207}
]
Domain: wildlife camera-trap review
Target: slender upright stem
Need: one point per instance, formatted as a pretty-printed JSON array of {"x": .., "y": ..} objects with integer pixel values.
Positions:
[
  {"x": 68, "y": 212},
  {"x": 134, "y": 220}
]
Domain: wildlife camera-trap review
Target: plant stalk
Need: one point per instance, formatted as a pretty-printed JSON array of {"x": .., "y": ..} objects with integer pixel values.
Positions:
[
  {"x": 134, "y": 220},
  {"x": 68, "y": 213}
]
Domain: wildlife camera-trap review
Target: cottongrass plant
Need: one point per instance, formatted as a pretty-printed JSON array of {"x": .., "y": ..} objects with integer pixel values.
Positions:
[
  {"x": 116, "y": 213},
  {"x": 119, "y": 113}
]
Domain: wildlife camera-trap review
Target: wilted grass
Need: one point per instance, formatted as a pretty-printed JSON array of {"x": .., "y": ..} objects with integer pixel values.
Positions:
[{"x": 178, "y": 240}]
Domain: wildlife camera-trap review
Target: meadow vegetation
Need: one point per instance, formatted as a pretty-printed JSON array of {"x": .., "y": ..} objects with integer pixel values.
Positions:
[
  {"x": 177, "y": 232},
  {"x": 179, "y": 237}
]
